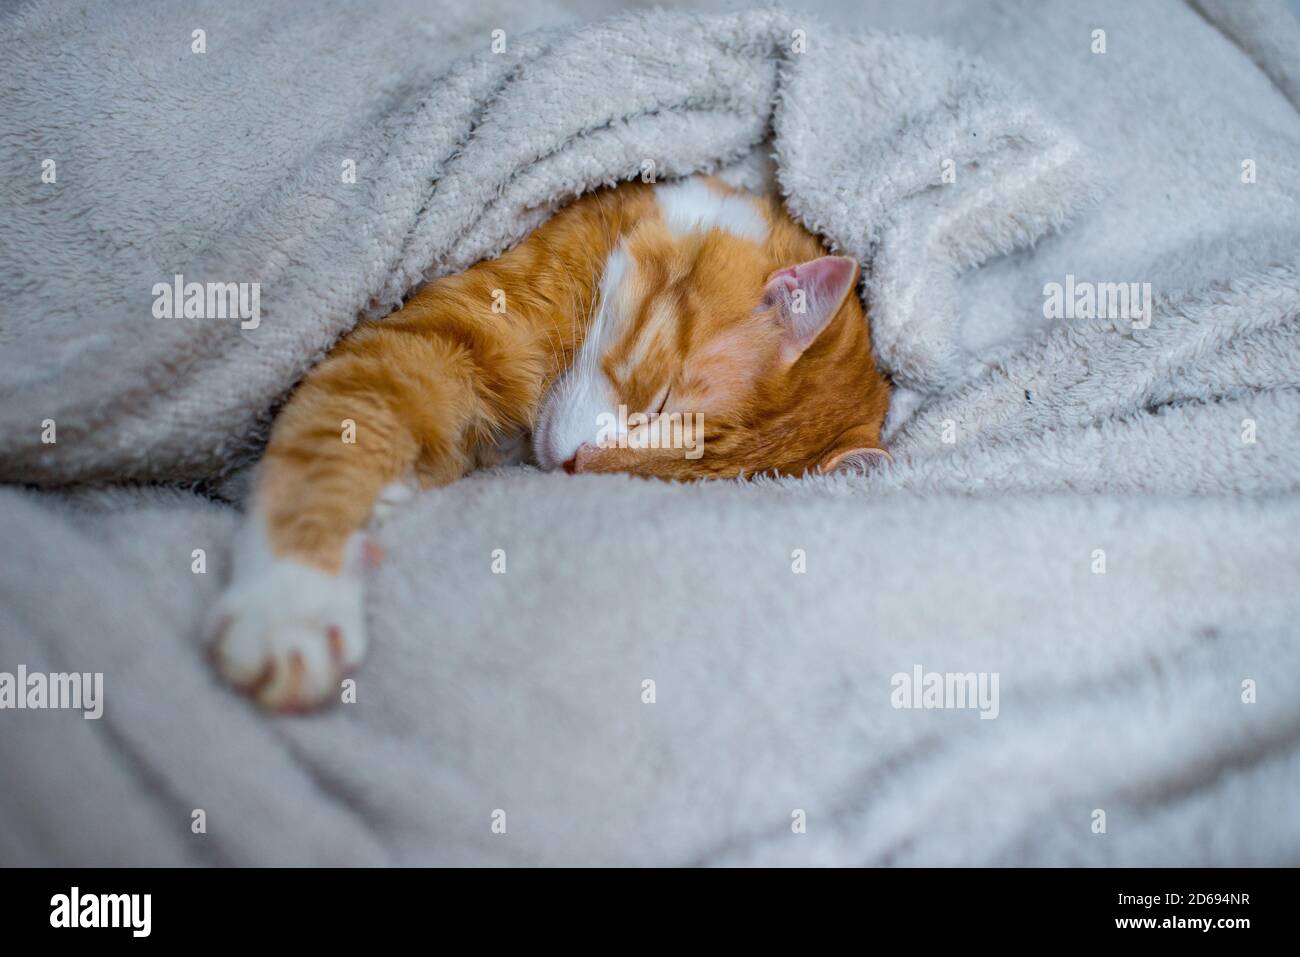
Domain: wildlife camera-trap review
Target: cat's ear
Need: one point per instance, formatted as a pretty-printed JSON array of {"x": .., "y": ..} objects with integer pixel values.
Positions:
[
  {"x": 855, "y": 452},
  {"x": 804, "y": 298}
]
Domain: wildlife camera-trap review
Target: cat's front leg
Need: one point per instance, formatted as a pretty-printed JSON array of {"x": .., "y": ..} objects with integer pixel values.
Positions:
[
  {"x": 291, "y": 622},
  {"x": 288, "y": 631},
  {"x": 418, "y": 394}
]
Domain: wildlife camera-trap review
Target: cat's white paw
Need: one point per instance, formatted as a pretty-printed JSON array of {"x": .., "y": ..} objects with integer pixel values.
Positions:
[
  {"x": 288, "y": 633},
  {"x": 391, "y": 498}
]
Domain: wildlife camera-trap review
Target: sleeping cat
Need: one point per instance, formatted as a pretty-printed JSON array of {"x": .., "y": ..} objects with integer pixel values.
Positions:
[{"x": 702, "y": 320}]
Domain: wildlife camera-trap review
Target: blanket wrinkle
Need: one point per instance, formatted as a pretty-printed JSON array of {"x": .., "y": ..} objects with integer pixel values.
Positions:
[
  {"x": 458, "y": 172},
  {"x": 1234, "y": 760}
]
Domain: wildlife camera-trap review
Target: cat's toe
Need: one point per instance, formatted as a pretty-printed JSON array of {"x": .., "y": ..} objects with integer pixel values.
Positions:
[
  {"x": 302, "y": 672},
  {"x": 392, "y": 497},
  {"x": 290, "y": 636}
]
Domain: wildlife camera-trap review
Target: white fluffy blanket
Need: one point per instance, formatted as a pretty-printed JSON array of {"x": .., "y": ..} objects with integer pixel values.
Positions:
[{"x": 526, "y": 693}]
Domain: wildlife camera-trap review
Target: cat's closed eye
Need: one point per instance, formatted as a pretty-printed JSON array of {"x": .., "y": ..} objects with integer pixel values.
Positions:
[{"x": 661, "y": 400}]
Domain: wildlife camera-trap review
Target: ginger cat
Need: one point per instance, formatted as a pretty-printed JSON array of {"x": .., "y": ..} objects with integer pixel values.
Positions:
[{"x": 686, "y": 330}]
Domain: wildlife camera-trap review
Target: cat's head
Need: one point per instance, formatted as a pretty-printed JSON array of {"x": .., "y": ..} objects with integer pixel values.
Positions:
[{"x": 723, "y": 344}]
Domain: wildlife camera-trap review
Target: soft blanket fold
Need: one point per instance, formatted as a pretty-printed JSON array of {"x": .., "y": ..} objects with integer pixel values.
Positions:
[{"x": 863, "y": 127}]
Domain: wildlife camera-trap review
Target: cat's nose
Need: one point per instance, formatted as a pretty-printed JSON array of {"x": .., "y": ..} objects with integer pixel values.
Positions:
[{"x": 574, "y": 463}]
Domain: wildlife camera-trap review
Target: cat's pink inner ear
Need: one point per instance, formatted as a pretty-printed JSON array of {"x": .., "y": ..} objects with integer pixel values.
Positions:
[{"x": 807, "y": 296}]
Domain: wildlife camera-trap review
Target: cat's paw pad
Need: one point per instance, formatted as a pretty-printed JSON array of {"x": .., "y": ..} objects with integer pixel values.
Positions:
[{"x": 289, "y": 633}]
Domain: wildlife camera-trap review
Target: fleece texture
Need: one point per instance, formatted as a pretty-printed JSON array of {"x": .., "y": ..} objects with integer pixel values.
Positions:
[
  {"x": 1101, "y": 512},
  {"x": 525, "y": 692},
  {"x": 449, "y": 169}
]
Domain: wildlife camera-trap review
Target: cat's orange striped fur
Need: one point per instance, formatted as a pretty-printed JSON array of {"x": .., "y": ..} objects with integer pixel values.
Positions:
[{"x": 690, "y": 299}]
